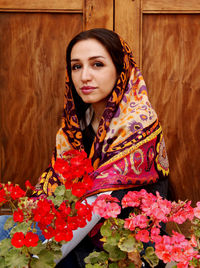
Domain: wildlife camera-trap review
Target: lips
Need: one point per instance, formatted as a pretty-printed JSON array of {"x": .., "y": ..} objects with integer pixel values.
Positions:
[{"x": 87, "y": 89}]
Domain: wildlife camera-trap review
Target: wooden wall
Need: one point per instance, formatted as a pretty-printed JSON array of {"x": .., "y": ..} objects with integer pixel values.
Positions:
[
  {"x": 32, "y": 63},
  {"x": 34, "y": 36},
  {"x": 165, "y": 38},
  {"x": 171, "y": 72}
]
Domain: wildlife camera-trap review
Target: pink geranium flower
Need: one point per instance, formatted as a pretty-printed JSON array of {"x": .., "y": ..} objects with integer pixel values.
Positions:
[
  {"x": 106, "y": 206},
  {"x": 197, "y": 210},
  {"x": 134, "y": 221},
  {"x": 142, "y": 235}
]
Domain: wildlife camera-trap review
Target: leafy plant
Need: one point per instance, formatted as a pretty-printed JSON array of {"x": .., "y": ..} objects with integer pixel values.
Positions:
[
  {"x": 131, "y": 241},
  {"x": 56, "y": 216}
]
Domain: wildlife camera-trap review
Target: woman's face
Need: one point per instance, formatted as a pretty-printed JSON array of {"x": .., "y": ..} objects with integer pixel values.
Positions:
[{"x": 93, "y": 71}]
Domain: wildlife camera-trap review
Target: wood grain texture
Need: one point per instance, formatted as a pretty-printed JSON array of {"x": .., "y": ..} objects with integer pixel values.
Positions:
[
  {"x": 42, "y": 4},
  {"x": 98, "y": 14},
  {"x": 169, "y": 5},
  {"x": 171, "y": 64},
  {"x": 128, "y": 24},
  {"x": 32, "y": 83}
]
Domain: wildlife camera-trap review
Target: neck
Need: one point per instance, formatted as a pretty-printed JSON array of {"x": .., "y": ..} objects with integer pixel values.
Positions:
[{"x": 98, "y": 111}]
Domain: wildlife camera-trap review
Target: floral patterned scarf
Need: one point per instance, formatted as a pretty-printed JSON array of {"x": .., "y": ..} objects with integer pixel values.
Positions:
[{"x": 128, "y": 150}]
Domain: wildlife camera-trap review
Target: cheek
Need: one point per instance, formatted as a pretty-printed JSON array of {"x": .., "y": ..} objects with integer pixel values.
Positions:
[
  {"x": 112, "y": 78},
  {"x": 75, "y": 80}
]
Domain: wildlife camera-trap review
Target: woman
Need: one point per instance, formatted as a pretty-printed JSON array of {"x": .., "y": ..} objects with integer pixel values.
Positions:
[{"x": 107, "y": 113}]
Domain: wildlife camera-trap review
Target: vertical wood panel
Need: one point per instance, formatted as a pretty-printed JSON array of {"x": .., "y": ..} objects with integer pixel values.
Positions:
[
  {"x": 32, "y": 83},
  {"x": 128, "y": 24},
  {"x": 171, "y": 65},
  {"x": 99, "y": 14}
]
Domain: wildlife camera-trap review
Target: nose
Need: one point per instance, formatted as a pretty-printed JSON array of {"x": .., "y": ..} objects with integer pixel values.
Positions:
[{"x": 86, "y": 74}]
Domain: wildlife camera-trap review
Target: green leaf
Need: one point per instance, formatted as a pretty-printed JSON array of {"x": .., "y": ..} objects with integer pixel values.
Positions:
[
  {"x": 2, "y": 262},
  {"x": 113, "y": 265},
  {"x": 9, "y": 223},
  {"x": 139, "y": 246},
  {"x": 5, "y": 245},
  {"x": 131, "y": 265},
  {"x": 119, "y": 222},
  {"x": 60, "y": 190},
  {"x": 57, "y": 254},
  {"x": 58, "y": 200},
  {"x": 46, "y": 260},
  {"x": 113, "y": 240},
  {"x": 96, "y": 257},
  {"x": 126, "y": 232},
  {"x": 115, "y": 253},
  {"x": 197, "y": 233},
  {"x": 21, "y": 227},
  {"x": 151, "y": 257},
  {"x": 51, "y": 197},
  {"x": 14, "y": 258},
  {"x": 96, "y": 265},
  {"x": 106, "y": 229},
  {"x": 36, "y": 250},
  {"x": 55, "y": 245},
  {"x": 89, "y": 266},
  {"x": 103, "y": 257},
  {"x": 55, "y": 248},
  {"x": 127, "y": 244},
  {"x": 69, "y": 196}
]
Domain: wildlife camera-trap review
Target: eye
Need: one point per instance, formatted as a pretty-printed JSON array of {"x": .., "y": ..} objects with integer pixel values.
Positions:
[
  {"x": 98, "y": 64},
  {"x": 76, "y": 67}
]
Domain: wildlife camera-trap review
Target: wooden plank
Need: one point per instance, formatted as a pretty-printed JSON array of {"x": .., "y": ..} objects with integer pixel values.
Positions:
[
  {"x": 32, "y": 84},
  {"x": 169, "y": 5},
  {"x": 41, "y": 4},
  {"x": 98, "y": 14},
  {"x": 171, "y": 11},
  {"x": 171, "y": 63},
  {"x": 128, "y": 24}
]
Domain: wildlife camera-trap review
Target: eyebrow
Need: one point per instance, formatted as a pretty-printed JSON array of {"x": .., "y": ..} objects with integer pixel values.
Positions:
[{"x": 91, "y": 58}]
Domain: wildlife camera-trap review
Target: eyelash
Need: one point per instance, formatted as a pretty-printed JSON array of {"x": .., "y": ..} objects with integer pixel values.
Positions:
[
  {"x": 76, "y": 66},
  {"x": 95, "y": 64},
  {"x": 98, "y": 64}
]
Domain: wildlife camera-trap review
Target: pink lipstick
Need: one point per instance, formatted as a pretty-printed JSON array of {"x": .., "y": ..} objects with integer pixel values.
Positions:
[{"x": 87, "y": 89}]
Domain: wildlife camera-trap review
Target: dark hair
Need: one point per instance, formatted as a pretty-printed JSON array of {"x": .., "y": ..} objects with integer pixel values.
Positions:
[{"x": 110, "y": 40}]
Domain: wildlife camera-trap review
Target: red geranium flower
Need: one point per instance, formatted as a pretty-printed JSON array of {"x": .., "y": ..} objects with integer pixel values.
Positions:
[
  {"x": 2, "y": 196},
  {"x": 18, "y": 240},
  {"x": 18, "y": 215},
  {"x": 17, "y": 192},
  {"x": 65, "y": 234},
  {"x": 48, "y": 232},
  {"x": 29, "y": 185},
  {"x": 60, "y": 235},
  {"x": 88, "y": 182},
  {"x": 65, "y": 210},
  {"x": 82, "y": 209},
  {"x": 60, "y": 223},
  {"x": 61, "y": 166},
  {"x": 31, "y": 240},
  {"x": 68, "y": 235},
  {"x": 72, "y": 223},
  {"x": 78, "y": 189}
]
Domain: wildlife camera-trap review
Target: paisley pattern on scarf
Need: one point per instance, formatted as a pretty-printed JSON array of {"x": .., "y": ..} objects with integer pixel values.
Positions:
[{"x": 129, "y": 149}]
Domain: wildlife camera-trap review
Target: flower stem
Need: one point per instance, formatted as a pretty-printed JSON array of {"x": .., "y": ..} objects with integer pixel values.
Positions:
[
  {"x": 12, "y": 205},
  {"x": 177, "y": 227}
]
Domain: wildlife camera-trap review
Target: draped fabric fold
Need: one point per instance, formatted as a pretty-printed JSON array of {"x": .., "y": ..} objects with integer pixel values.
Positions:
[{"x": 128, "y": 149}]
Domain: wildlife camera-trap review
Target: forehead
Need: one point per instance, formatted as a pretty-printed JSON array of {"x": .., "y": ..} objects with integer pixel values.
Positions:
[{"x": 89, "y": 48}]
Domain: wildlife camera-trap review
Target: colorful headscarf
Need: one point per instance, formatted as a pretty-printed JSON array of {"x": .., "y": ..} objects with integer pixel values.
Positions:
[{"x": 129, "y": 149}]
